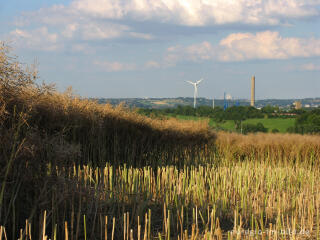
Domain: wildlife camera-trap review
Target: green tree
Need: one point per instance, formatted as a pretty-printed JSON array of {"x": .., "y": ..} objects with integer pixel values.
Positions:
[
  {"x": 308, "y": 122},
  {"x": 237, "y": 114},
  {"x": 253, "y": 128}
]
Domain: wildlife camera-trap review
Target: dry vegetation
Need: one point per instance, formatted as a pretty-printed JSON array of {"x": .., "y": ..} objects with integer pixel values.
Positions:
[
  {"x": 103, "y": 133},
  {"x": 278, "y": 148},
  {"x": 73, "y": 169}
]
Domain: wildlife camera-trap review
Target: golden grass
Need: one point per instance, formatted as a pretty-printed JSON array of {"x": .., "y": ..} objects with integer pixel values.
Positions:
[
  {"x": 104, "y": 133},
  {"x": 268, "y": 147},
  {"x": 42, "y": 129}
]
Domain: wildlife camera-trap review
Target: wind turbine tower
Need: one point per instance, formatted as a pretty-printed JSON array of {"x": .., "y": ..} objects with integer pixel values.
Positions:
[{"x": 195, "y": 85}]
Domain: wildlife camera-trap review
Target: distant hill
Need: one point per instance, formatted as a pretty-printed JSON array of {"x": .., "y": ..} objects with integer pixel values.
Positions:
[{"x": 174, "y": 102}]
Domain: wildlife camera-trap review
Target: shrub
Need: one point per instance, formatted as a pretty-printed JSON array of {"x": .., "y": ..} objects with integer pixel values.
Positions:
[{"x": 253, "y": 128}]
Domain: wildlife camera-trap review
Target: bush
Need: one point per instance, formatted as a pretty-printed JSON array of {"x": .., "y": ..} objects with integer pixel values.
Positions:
[
  {"x": 308, "y": 122},
  {"x": 253, "y": 128}
]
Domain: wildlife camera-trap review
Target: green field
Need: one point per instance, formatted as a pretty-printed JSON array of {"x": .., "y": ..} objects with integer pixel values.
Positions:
[
  {"x": 282, "y": 124},
  {"x": 271, "y": 123}
]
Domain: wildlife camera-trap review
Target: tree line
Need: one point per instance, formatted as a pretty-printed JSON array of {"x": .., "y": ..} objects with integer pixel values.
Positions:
[{"x": 307, "y": 121}]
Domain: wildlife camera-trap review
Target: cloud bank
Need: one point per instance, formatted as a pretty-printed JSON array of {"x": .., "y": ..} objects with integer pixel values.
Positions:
[
  {"x": 79, "y": 25},
  {"x": 246, "y": 46},
  {"x": 36, "y": 39},
  {"x": 200, "y": 12},
  {"x": 103, "y": 20},
  {"x": 266, "y": 45}
]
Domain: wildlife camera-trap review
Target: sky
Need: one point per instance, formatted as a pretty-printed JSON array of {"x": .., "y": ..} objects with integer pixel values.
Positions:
[{"x": 150, "y": 48}]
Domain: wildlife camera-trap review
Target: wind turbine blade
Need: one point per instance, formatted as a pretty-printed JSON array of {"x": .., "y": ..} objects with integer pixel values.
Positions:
[
  {"x": 199, "y": 81},
  {"x": 190, "y": 82}
]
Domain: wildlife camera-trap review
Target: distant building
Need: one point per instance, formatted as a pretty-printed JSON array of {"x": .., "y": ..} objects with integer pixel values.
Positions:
[
  {"x": 253, "y": 83},
  {"x": 284, "y": 114},
  {"x": 297, "y": 105}
]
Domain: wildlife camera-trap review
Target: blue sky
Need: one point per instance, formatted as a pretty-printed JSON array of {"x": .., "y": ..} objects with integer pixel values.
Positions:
[{"x": 145, "y": 48}]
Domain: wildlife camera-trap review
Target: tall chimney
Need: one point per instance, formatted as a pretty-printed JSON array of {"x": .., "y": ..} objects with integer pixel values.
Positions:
[{"x": 253, "y": 79}]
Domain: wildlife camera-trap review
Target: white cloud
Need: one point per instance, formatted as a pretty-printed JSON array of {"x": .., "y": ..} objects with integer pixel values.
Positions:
[
  {"x": 200, "y": 12},
  {"x": 246, "y": 46},
  {"x": 70, "y": 30},
  {"x": 266, "y": 45},
  {"x": 195, "y": 53},
  {"x": 115, "y": 66},
  {"x": 72, "y": 26},
  {"x": 202, "y": 51},
  {"x": 152, "y": 64},
  {"x": 36, "y": 39},
  {"x": 95, "y": 31},
  {"x": 54, "y": 15},
  {"x": 310, "y": 67},
  {"x": 90, "y": 20}
]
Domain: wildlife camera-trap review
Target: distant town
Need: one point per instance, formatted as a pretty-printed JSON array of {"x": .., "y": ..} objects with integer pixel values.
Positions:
[{"x": 158, "y": 103}]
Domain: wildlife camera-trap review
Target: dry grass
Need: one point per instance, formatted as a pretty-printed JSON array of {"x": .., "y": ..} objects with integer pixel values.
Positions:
[
  {"x": 42, "y": 129},
  {"x": 194, "y": 203},
  {"x": 103, "y": 133},
  {"x": 268, "y": 147}
]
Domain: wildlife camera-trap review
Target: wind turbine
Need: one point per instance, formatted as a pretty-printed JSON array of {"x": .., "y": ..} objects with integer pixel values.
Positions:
[{"x": 195, "y": 84}]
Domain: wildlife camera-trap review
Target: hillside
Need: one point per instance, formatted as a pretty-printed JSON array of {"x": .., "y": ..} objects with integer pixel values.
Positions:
[{"x": 174, "y": 102}]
